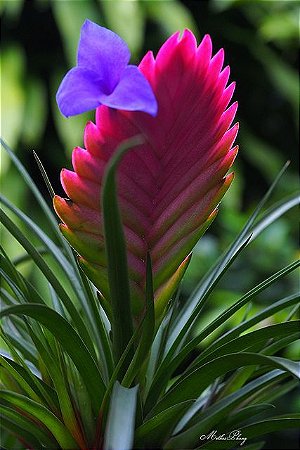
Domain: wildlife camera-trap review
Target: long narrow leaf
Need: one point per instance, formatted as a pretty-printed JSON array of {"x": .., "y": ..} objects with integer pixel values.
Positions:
[
  {"x": 43, "y": 391},
  {"x": 147, "y": 330},
  {"x": 209, "y": 419},
  {"x": 169, "y": 364},
  {"x": 34, "y": 189},
  {"x": 14, "y": 427},
  {"x": 53, "y": 223},
  {"x": 119, "y": 433},
  {"x": 51, "y": 278},
  {"x": 122, "y": 327},
  {"x": 273, "y": 424},
  {"x": 44, "y": 175},
  {"x": 158, "y": 428},
  {"x": 274, "y": 213},
  {"x": 41, "y": 413},
  {"x": 70, "y": 341},
  {"x": 247, "y": 340},
  {"x": 37, "y": 435},
  {"x": 258, "y": 429},
  {"x": 61, "y": 388},
  {"x": 25, "y": 382},
  {"x": 193, "y": 384},
  {"x": 66, "y": 265},
  {"x": 267, "y": 312}
]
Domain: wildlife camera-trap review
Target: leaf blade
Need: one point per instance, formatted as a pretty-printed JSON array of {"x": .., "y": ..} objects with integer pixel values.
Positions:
[
  {"x": 70, "y": 341},
  {"x": 56, "y": 427},
  {"x": 119, "y": 431},
  {"x": 122, "y": 327}
]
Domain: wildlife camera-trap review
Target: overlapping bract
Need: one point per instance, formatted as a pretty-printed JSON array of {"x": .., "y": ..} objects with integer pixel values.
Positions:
[{"x": 168, "y": 187}]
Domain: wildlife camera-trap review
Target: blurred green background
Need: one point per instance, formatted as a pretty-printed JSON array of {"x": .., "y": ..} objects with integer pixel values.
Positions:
[{"x": 260, "y": 38}]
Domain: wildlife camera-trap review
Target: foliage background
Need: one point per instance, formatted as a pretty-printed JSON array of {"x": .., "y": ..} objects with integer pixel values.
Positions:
[{"x": 260, "y": 38}]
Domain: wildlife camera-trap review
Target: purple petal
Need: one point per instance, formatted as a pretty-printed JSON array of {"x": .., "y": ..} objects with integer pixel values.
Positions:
[
  {"x": 133, "y": 93},
  {"x": 79, "y": 91},
  {"x": 104, "y": 52}
]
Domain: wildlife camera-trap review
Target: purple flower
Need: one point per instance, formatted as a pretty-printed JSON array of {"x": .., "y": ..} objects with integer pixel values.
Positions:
[{"x": 103, "y": 77}]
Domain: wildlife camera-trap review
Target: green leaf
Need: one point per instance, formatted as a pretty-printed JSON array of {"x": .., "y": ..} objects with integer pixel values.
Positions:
[
  {"x": 147, "y": 330},
  {"x": 168, "y": 365},
  {"x": 247, "y": 340},
  {"x": 55, "y": 367},
  {"x": 44, "y": 175},
  {"x": 119, "y": 369},
  {"x": 43, "y": 392},
  {"x": 26, "y": 371},
  {"x": 74, "y": 276},
  {"x": 213, "y": 417},
  {"x": 21, "y": 344},
  {"x": 51, "y": 277},
  {"x": 70, "y": 341},
  {"x": 101, "y": 328},
  {"x": 52, "y": 248},
  {"x": 68, "y": 267},
  {"x": 282, "y": 76},
  {"x": 22, "y": 378},
  {"x": 261, "y": 428},
  {"x": 267, "y": 312},
  {"x": 16, "y": 429},
  {"x": 119, "y": 433},
  {"x": 15, "y": 290},
  {"x": 115, "y": 247},
  {"x": 41, "y": 413},
  {"x": 26, "y": 428},
  {"x": 12, "y": 10},
  {"x": 281, "y": 344},
  {"x": 11, "y": 272},
  {"x": 273, "y": 213},
  {"x": 82, "y": 403},
  {"x": 274, "y": 392},
  {"x": 83, "y": 294},
  {"x": 24, "y": 291},
  {"x": 157, "y": 429},
  {"x": 281, "y": 25},
  {"x": 158, "y": 344},
  {"x": 244, "y": 414},
  {"x": 191, "y": 386},
  {"x": 237, "y": 306},
  {"x": 40, "y": 199}
]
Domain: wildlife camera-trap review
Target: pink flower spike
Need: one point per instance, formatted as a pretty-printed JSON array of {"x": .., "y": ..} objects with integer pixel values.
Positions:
[{"x": 169, "y": 188}]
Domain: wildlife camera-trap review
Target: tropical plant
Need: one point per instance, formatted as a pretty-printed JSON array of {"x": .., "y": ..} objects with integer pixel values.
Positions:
[{"x": 108, "y": 357}]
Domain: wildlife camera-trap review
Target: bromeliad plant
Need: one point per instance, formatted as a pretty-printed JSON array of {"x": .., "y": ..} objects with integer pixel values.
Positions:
[
  {"x": 168, "y": 186},
  {"x": 98, "y": 363}
]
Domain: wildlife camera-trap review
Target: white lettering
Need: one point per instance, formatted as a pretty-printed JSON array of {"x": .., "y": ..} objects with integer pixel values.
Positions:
[{"x": 234, "y": 435}]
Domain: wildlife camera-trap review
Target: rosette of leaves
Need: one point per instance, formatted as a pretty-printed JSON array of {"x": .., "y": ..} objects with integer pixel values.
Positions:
[{"x": 62, "y": 388}]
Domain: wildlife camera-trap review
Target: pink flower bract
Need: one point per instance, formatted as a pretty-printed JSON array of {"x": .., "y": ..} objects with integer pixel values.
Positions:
[{"x": 169, "y": 187}]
